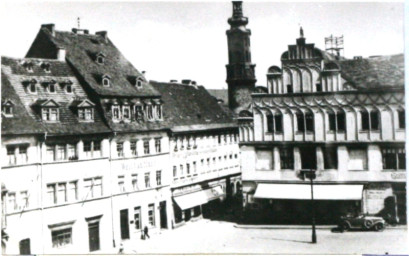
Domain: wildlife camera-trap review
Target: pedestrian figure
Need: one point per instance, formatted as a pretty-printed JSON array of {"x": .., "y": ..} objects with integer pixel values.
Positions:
[
  {"x": 121, "y": 249},
  {"x": 145, "y": 231}
]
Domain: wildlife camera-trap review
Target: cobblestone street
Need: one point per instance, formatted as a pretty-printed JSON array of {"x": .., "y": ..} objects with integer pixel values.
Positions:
[{"x": 205, "y": 236}]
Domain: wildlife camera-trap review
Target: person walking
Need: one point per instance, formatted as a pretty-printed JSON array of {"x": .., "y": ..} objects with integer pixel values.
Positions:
[
  {"x": 121, "y": 249},
  {"x": 146, "y": 231}
]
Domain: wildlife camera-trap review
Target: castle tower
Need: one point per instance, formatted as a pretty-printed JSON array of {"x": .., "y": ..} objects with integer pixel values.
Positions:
[{"x": 241, "y": 78}]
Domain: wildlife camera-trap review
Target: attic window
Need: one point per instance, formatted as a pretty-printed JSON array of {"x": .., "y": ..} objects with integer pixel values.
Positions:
[
  {"x": 7, "y": 109},
  {"x": 100, "y": 59},
  {"x": 68, "y": 88},
  {"x": 159, "y": 111},
  {"x": 50, "y": 114},
  {"x": 32, "y": 88},
  {"x": 51, "y": 87},
  {"x": 28, "y": 66},
  {"x": 86, "y": 114},
  {"x": 46, "y": 67},
  {"x": 139, "y": 82},
  {"x": 106, "y": 81}
]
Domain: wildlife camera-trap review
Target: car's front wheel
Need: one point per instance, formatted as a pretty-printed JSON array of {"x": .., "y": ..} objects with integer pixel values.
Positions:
[
  {"x": 344, "y": 227},
  {"x": 379, "y": 227}
]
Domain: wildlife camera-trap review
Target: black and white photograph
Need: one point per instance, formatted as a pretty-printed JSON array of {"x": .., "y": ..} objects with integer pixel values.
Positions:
[{"x": 203, "y": 127}]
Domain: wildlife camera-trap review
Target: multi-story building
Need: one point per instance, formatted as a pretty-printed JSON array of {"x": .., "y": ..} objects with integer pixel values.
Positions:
[
  {"x": 204, "y": 150},
  {"x": 343, "y": 118},
  {"x": 55, "y": 153}
]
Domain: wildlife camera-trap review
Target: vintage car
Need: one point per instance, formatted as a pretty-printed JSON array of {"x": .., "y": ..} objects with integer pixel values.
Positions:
[{"x": 361, "y": 221}]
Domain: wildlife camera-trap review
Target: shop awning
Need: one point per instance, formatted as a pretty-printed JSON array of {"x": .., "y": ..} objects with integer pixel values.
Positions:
[
  {"x": 303, "y": 191},
  {"x": 198, "y": 198}
]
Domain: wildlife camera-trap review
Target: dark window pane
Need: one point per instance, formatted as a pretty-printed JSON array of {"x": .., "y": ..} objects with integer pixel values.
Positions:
[
  {"x": 402, "y": 160},
  {"x": 341, "y": 121},
  {"x": 300, "y": 122},
  {"x": 308, "y": 158},
  {"x": 309, "y": 120},
  {"x": 330, "y": 158},
  {"x": 269, "y": 123},
  {"x": 287, "y": 158},
  {"x": 331, "y": 119},
  {"x": 279, "y": 123},
  {"x": 374, "y": 120},
  {"x": 364, "y": 121},
  {"x": 401, "y": 115},
  {"x": 319, "y": 87},
  {"x": 289, "y": 88}
]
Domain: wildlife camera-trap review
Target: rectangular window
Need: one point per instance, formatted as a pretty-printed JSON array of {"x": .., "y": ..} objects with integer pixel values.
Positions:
[
  {"x": 146, "y": 147},
  {"x": 158, "y": 145},
  {"x": 87, "y": 146},
  {"x": 374, "y": 120},
  {"x": 62, "y": 193},
  {"x": 287, "y": 158},
  {"x": 151, "y": 214},
  {"x": 71, "y": 152},
  {"x": 187, "y": 169},
  {"x": 121, "y": 184},
  {"x": 135, "y": 181},
  {"x": 137, "y": 218},
  {"x": 138, "y": 113},
  {"x": 73, "y": 191},
  {"x": 49, "y": 114},
  {"x": 289, "y": 88},
  {"x": 308, "y": 158},
  {"x": 340, "y": 121},
  {"x": 11, "y": 150},
  {"x": 364, "y": 120},
  {"x": 126, "y": 112},
  {"x": 115, "y": 112},
  {"x": 158, "y": 178},
  {"x": 97, "y": 146},
  {"x": 89, "y": 114},
  {"x": 147, "y": 180},
  {"x": 60, "y": 152},
  {"x": 175, "y": 171},
  {"x": 181, "y": 170},
  {"x": 97, "y": 191},
  {"x": 12, "y": 203},
  {"x": 270, "y": 123},
  {"x": 24, "y": 199},
  {"x": 51, "y": 194},
  {"x": 401, "y": 119},
  {"x": 50, "y": 153},
  {"x": 93, "y": 187},
  {"x": 309, "y": 121},
  {"x": 330, "y": 157},
  {"x": 394, "y": 158},
  {"x": 278, "y": 121},
  {"x": 300, "y": 122},
  {"x": 134, "y": 151},
  {"x": 120, "y": 149},
  {"x": 318, "y": 87},
  {"x": 219, "y": 138},
  {"x": 61, "y": 238},
  {"x": 332, "y": 122}
]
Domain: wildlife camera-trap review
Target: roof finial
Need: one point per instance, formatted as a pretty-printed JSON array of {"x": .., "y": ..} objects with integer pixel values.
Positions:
[
  {"x": 301, "y": 32},
  {"x": 78, "y": 22}
]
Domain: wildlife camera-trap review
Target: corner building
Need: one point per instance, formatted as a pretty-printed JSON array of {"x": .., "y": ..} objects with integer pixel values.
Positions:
[{"x": 344, "y": 118}]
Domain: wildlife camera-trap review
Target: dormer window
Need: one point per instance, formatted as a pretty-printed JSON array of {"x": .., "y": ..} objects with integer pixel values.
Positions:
[
  {"x": 46, "y": 67},
  {"x": 49, "y": 110},
  {"x": 68, "y": 86},
  {"x": 126, "y": 111},
  {"x": 50, "y": 114},
  {"x": 100, "y": 58},
  {"x": 139, "y": 82},
  {"x": 32, "y": 86},
  {"x": 138, "y": 113},
  {"x": 7, "y": 108},
  {"x": 159, "y": 111},
  {"x": 115, "y": 112},
  {"x": 106, "y": 81},
  {"x": 51, "y": 86},
  {"x": 28, "y": 66},
  {"x": 85, "y": 109}
]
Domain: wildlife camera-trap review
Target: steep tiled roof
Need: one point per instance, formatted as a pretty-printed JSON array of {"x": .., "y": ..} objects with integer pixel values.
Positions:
[
  {"x": 191, "y": 107},
  {"x": 377, "y": 72},
  {"x": 81, "y": 52},
  {"x": 60, "y": 72},
  {"x": 21, "y": 122}
]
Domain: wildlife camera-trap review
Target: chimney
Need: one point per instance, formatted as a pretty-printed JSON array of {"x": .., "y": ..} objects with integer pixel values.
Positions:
[
  {"x": 103, "y": 34},
  {"x": 49, "y": 27},
  {"x": 86, "y": 31},
  {"x": 173, "y": 81},
  {"x": 194, "y": 83},
  {"x": 61, "y": 54},
  {"x": 186, "y": 81}
]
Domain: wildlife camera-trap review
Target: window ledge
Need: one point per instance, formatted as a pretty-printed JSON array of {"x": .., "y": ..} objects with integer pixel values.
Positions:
[
  {"x": 355, "y": 170},
  {"x": 393, "y": 170},
  {"x": 400, "y": 129}
]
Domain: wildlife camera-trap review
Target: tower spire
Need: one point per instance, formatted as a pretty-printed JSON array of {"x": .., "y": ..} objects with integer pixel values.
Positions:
[{"x": 301, "y": 32}]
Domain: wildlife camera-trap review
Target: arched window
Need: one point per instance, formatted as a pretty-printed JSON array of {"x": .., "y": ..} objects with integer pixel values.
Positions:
[
  {"x": 139, "y": 82},
  {"x": 270, "y": 123},
  {"x": 374, "y": 120},
  {"x": 106, "y": 81},
  {"x": 401, "y": 118}
]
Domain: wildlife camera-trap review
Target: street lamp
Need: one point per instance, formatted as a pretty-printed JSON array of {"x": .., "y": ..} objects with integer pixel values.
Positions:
[{"x": 310, "y": 174}]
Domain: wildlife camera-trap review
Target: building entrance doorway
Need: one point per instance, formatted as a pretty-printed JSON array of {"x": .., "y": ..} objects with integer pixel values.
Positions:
[
  {"x": 124, "y": 224},
  {"x": 93, "y": 231},
  {"x": 25, "y": 246},
  {"x": 163, "y": 215}
]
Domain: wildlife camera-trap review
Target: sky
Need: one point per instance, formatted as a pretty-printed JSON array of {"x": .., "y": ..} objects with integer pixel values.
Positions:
[{"x": 187, "y": 40}]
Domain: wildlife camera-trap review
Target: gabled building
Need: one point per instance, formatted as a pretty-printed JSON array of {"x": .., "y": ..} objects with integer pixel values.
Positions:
[
  {"x": 54, "y": 160},
  {"x": 132, "y": 108},
  {"x": 342, "y": 118},
  {"x": 204, "y": 152}
]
